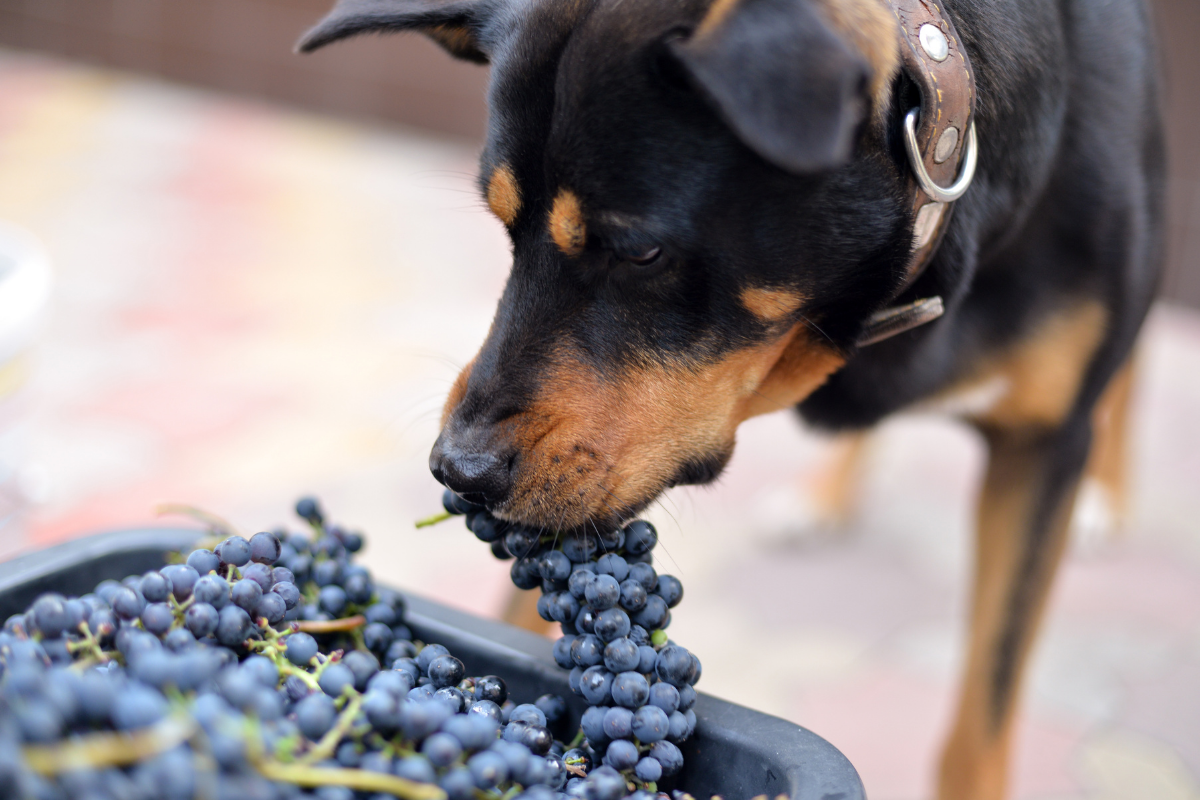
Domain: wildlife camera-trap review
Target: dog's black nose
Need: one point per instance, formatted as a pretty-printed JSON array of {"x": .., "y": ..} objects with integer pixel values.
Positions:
[{"x": 475, "y": 471}]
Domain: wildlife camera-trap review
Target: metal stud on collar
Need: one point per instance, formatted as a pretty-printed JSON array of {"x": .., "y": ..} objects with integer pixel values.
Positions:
[
  {"x": 890, "y": 321},
  {"x": 965, "y": 176}
]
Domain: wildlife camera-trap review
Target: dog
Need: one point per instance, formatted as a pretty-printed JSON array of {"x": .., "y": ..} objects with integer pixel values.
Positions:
[{"x": 724, "y": 208}]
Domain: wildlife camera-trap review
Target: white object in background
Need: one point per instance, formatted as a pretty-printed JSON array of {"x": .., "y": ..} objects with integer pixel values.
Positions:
[{"x": 24, "y": 292}]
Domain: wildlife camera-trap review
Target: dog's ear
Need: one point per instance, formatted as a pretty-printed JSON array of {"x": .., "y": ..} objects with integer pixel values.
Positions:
[
  {"x": 787, "y": 85},
  {"x": 451, "y": 23}
]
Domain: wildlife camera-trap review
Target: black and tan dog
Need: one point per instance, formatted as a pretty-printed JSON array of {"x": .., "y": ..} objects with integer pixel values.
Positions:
[{"x": 713, "y": 216}]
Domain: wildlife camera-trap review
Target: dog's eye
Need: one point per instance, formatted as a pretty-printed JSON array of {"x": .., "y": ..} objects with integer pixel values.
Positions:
[{"x": 643, "y": 259}]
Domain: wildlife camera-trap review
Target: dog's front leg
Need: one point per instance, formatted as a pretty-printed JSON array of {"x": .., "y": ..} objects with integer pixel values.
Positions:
[{"x": 1024, "y": 515}]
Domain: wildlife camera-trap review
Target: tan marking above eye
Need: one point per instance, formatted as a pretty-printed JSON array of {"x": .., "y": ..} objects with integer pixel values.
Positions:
[
  {"x": 771, "y": 305},
  {"x": 716, "y": 14},
  {"x": 567, "y": 227},
  {"x": 504, "y": 195}
]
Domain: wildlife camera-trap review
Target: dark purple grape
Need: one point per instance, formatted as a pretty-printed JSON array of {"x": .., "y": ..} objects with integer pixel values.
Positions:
[
  {"x": 602, "y": 593},
  {"x": 335, "y": 679},
  {"x": 301, "y": 647},
  {"x": 621, "y": 755},
  {"x": 630, "y": 689},
  {"x": 596, "y": 685},
  {"x": 648, "y": 769},
  {"x": 246, "y": 594},
  {"x": 264, "y": 548},
  {"x": 670, "y": 589},
  {"x": 428, "y": 653},
  {"x": 399, "y": 649},
  {"x": 687, "y": 698},
  {"x": 103, "y": 624},
  {"x": 653, "y": 615},
  {"x": 580, "y": 546},
  {"x": 611, "y": 624},
  {"x": 315, "y": 715},
  {"x": 640, "y": 537},
  {"x": 445, "y": 671},
  {"x": 537, "y": 739},
  {"x": 182, "y": 578},
  {"x": 157, "y": 618},
  {"x": 234, "y": 626},
  {"x": 212, "y": 589},
  {"x": 180, "y": 640},
  {"x": 136, "y": 706},
  {"x": 585, "y": 621},
  {"x": 377, "y": 637},
  {"x": 363, "y": 665},
  {"x": 271, "y": 607},
  {"x": 261, "y": 574},
  {"x": 327, "y": 572},
  {"x": 458, "y": 505},
  {"x": 441, "y": 749},
  {"x": 203, "y": 561},
  {"x": 562, "y": 652},
  {"x": 674, "y": 665},
  {"x": 332, "y": 600},
  {"x": 359, "y": 589},
  {"x": 645, "y": 575},
  {"x": 49, "y": 615},
  {"x": 651, "y": 724},
  {"x": 668, "y": 756},
  {"x": 282, "y": 575},
  {"x": 288, "y": 592},
  {"x": 500, "y": 551},
  {"x": 664, "y": 696},
  {"x": 234, "y": 550},
  {"x": 155, "y": 587},
  {"x": 633, "y": 596},
  {"x": 486, "y": 527},
  {"x": 647, "y": 658},
  {"x": 492, "y": 688},
  {"x": 309, "y": 510},
  {"x": 621, "y": 655},
  {"x": 587, "y": 650},
  {"x": 127, "y": 603},
  {"x": 201, "y": 619}
]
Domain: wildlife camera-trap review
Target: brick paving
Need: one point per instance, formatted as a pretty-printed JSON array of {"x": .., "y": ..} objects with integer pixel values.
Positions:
[{"x": 251, "y": 303}]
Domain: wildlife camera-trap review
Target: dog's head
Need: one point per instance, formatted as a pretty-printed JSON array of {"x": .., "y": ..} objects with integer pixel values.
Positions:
[{"x": 703, "y": 211}]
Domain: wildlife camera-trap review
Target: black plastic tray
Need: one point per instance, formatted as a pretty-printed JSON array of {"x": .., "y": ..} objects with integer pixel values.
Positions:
[{"x": 736, "y": 753}]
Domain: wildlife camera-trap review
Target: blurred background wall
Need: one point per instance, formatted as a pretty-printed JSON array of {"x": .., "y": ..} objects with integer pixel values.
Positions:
[{"x": 243, "y": 46}]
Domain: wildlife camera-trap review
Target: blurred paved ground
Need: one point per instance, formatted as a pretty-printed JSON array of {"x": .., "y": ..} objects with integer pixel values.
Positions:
[{"x": 252, "y": 303}]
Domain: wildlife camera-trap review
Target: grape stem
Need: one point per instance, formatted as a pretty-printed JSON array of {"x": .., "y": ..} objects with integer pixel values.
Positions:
[
  {"x": 106, "y": 749},
  {"x": 358, "y": 779},
  {"x": 332, "y": 626},
  {"x": 329, "y": 742},
  {"x": 200, "y": 515},
  {"x": 434, "y": 520}
]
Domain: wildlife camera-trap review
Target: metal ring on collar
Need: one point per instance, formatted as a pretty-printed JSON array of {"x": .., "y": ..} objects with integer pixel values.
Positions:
[{"x": 935, "y": 192}]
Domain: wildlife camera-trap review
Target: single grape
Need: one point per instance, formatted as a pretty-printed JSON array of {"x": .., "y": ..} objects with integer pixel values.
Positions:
[
  {"x": 492, "y": 688},
  {"x": 359, "y": 589},
  {"x": 212, "y": 589},
  {"x": 315, "y": 715},
  {"x": 335, "y": 679},
  {"x": 647, "y": 658},
  {"x": 309, "y": 510},
  {"x": 605, "y": 783},
  {"x": 648, "y": 769},
  {"x": 633, "y": 595},
  {"x": 157, "y": 618},
  {"x": 602, "y": 593},
  {"x": 621, "y": 755},
  {"x": 332, "y": 600},
  {"x": 611, "y": 624},
  {"x": 687, "y": 698},
  {"x": 674, "y": 665},
  {"x": 445, "y": 671},
  {"x": 630, "y": 689},
  {"x": 377, "y": 637},
  {"x": 203, "y": 561},
  {"x": 537, "y": 738},
  {"x": 182, "y": 579},
  {"x": 233, "y": 626},
  {"x": 651, "y": 724},
  {"x": 327, "y": 572},
  {"x": 486, "y": 709},
  {"x": 264, "y": 548},
  {"x": 640, "y": 537},
  {"x": 668, "y": 756},
  {"x": 415, "y": 768},
  {"x": 612, "y": 564},
  {"x": 441, "y": 749},
  {"x": 127, "y": 603},
  {"x": 362, "y": 665},
  {"x": 155, "y": 587},
  {"x": 618, "y": 723},
  {"x": 458, "y": 783},
  {"x": 596, "y": 685},
  {"x": 234, "y": 550},
  {"x": 288, "y": 592},
  {"x": 381, "y": 613},
  {"x": 272, "y": 607},
  {"x": 653, "y": 615},
  {"x": 488, "y": 769},
  {"x": 262, "y": 574},
  {"x": 670, "y": 589},
  {"x": 246, "y": 594},
  {"x": 137, "y": 706},
  {"x": 524, "y": 573}
]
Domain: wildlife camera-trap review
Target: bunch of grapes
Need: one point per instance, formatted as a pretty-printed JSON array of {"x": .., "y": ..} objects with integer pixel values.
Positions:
[
  {"x": 614, "y": 610},
  {"x": 252, "y": 671}
]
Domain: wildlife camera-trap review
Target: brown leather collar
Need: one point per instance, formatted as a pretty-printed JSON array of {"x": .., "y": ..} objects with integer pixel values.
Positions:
[{"x": 941, "y": 146}]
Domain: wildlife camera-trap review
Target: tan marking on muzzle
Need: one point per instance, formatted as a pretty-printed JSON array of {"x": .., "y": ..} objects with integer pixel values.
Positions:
[
  {"x": 458, "y": 390},
  {"x": 602, "y": 445},
  {"x": 504, "y": 195},
  {"x": 567, "y": 227}
]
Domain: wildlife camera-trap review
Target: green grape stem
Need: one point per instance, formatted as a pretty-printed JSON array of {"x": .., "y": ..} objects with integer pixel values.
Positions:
[
  {"x": 357, "y": 779},
  {"x": 329, "y": 742},
  {"x": 434, "y": 519},
  {"x": 108, "y": 749}
]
